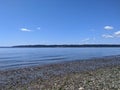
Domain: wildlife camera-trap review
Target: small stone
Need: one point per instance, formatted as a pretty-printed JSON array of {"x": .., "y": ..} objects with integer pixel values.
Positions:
[
  {"x": 55, "y": 84},
  {"x": 81, "y": 88}
]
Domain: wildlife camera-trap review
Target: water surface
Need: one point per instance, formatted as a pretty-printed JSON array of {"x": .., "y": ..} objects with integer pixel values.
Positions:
[{"x": 21, "y": 57}]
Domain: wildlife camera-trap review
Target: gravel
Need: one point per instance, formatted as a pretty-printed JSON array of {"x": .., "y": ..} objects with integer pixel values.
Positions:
[{"x": 91, "y": 74}]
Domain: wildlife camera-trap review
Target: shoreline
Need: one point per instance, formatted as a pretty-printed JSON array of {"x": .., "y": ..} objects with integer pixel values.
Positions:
[
  {"x": 57, "y": 63},
  {"x": 29, "y": 76}
]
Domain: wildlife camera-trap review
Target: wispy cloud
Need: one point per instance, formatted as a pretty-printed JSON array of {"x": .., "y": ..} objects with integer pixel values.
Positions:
[
  {"x": 29, "y": 30},
  {"x": 114, "y": 35},
  {"x": 108, "y": 27},
  {"x": 117, "y": 34},
  {"x": 107, "y": 36},
  {"x": 87, "y": 39},
  {"x": 25, "y": 30}
]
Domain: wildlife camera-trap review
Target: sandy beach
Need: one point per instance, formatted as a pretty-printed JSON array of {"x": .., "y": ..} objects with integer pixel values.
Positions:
[{"x": 90, "y": 74}]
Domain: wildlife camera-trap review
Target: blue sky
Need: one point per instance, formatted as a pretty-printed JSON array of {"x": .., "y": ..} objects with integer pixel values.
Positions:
[{"x": 59, "y": 22}]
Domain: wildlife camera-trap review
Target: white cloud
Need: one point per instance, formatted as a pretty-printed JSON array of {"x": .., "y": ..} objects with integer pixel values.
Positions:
[
  {"x": 25, "y": 30},
  {"x": 107, "y": 36},
  {"x": 117, "y": 34},
  {"x": 114, "y": 35},
  {"x": 108, "y": 27}
]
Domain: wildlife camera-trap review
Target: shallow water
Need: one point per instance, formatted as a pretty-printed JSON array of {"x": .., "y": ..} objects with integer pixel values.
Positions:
[{"x": 21, "y": 57}]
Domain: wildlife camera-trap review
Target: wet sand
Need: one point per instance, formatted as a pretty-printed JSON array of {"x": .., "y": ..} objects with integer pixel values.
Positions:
[{"x": 90, "y": 74}]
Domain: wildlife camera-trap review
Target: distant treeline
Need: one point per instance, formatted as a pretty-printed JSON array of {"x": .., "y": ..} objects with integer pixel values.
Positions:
[{"x": 65, "y": 46}]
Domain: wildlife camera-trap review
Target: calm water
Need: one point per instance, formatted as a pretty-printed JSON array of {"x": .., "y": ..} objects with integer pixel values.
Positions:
[{"x": 20, "y": 57}]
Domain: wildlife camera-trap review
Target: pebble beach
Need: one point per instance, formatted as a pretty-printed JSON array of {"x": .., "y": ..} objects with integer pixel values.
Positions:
[{"x": 90, "y": 74}]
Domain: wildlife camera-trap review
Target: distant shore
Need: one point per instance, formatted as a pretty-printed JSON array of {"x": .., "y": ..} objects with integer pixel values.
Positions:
[
  {"x": 67, "y": 46},
  {"x": 94, "y": 74},
  {"x": 63, "y": 46}
]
